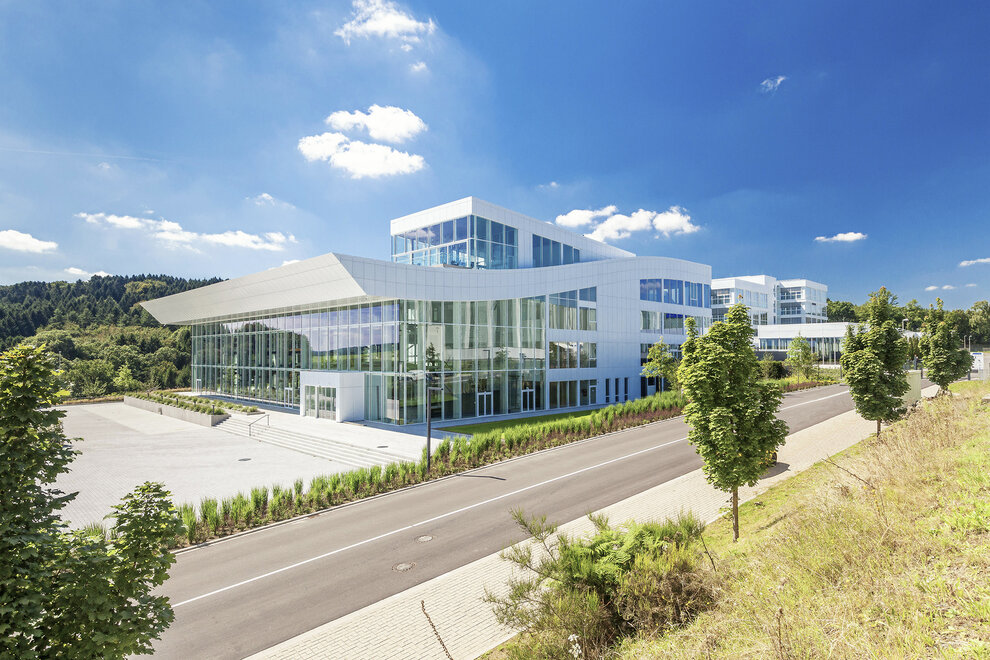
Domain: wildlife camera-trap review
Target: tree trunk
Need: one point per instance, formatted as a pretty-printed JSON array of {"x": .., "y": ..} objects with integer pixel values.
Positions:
[
  {"x": 878, "y": 429},
  {"x": 735, "y": 514}
]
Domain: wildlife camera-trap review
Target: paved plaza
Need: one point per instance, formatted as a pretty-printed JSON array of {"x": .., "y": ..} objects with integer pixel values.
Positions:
[{"x": 123, "y": 447}]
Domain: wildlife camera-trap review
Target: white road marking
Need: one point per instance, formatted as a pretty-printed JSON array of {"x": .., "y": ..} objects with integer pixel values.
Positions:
[{"x": 451, "y": 513}]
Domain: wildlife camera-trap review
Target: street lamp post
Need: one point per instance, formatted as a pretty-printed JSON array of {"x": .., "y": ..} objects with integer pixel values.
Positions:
[{"x": 429, "y": 422}]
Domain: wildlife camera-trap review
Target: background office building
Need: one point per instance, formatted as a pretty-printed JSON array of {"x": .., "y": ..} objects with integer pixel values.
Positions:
[
  {"x": 771, "y": 301},
  {"x": 499, "y": 312}
]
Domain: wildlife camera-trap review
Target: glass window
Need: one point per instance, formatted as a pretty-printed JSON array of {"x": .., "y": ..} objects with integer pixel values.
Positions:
[
  {"x": 447, "y": 232},
  {"x": 460, "y": 229},
  {"x": 577, "y": 256},
  {"x": 510, "y": 235},
  {"x": 481, "y": 228},
  {"x": 497, "y": 235},
  {"x": 568, "y": 254},
  {"x": 673, "y": 292},
  {"x": 557, "y": 256},
  {"x": 537, "y": 251}
]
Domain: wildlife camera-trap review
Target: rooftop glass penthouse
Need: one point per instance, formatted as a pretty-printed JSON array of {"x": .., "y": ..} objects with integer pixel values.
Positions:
[{"x": 517, "y": 315}]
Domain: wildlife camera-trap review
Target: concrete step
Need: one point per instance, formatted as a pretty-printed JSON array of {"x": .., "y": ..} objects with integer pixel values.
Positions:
[{"x": 333, "y": 450}]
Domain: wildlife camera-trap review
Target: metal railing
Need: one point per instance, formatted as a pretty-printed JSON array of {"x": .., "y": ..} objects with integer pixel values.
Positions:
[{"x": 263, "y": 417}]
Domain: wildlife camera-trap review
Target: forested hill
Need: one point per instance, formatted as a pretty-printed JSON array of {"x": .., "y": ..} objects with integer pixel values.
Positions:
[{"x": 113, "y": 300}]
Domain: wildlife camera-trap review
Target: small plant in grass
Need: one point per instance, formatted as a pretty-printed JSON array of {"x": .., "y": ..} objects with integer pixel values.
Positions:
[
  {"x": 227, "y": 510},
  {"x": 210, "y": 515},
  {"x": 188, "y": 514},
  {"x": 298, "y": 486},
  {"x": 259, "y": 501}
]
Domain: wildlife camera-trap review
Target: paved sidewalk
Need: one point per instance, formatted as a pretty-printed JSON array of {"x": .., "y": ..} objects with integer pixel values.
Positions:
[{"x": 396, "y": 628}]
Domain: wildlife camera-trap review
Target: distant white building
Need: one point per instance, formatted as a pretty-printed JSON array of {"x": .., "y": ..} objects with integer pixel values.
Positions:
[{"x": 771, "y": 301}]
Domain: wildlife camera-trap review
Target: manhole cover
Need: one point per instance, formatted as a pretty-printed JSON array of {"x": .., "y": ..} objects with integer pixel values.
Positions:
[
  {"x": 240, "y": 460},
  {"x": 403, "y": 567},
  {"x": 424, "y": 539}
]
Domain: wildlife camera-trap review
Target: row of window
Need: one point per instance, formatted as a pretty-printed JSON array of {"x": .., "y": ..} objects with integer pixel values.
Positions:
[
  {"x": 461, "y": 229},
  {"x": 671, "y": 323},
  {"x": 729, "y": 297},
  {"x": 676, "y": 292},
  {"x": 572, "y": 355},
  {"x": 547, "y": 252},
  {"x": 466, "y": 254},
  {"x": 572, "y": 310},
  {"x": 568, "y": 393}
]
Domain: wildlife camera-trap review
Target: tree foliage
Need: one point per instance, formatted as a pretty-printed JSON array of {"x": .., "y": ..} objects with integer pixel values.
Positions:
[
  {"x": 660, "y": 363},
  {"x": 70, "y": 594},
  {"x": 942, "y": 351},
  {"x": 800, "y": 357},
  {"x": 733, "y": 416},
  {"x": 873, "y": 360}
]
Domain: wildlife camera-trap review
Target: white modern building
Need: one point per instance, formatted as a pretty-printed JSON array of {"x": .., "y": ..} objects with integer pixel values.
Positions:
[
  {"x": 771, "y": 301},
  {"x": 826, "y": 339},
  {"x": 501, "y": 313}
]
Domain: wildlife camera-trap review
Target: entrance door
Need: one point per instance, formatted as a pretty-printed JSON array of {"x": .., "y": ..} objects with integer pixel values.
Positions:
[
  {"x": 311, "y": 401},
  {"x": 327, "y": 403},
  {"x": 528, "y": 400},
  {"x": 484, "y": 404}
]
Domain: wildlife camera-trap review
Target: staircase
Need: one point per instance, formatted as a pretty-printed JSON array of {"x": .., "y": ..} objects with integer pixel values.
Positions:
[{"x": 332, "y": 450}]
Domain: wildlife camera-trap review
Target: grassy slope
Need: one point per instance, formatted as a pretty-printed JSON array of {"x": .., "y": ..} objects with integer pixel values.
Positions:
[
  {"x": 519, "y": 421},
  {"x": 891, "y": 562}
]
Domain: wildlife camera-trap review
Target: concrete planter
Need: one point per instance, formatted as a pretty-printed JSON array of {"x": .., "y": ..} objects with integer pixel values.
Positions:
[{"x": 178, "y": 413}]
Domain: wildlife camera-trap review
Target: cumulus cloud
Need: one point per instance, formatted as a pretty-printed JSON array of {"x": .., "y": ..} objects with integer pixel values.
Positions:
[
  {"x": 359, "y": 159},
  {"x": 418, "y": 67},
  {"x": 582, "y": 217},
  {"x": 389, "y": 123},
  {"x": 770, "y": 85},
  {"x": 846, "y": 237},
  {"x": 553, "y": 185},
  {"x": 174, "y": 235},
  {"x": 931, "y": 288},
  {"x": 609, "y": 225},
  {"x": 383, "y": 19},
  {"x": 79, "y": 272},
  {"x": 973, "y": 262},
  {"x": 970, "y": 285},
  {"x": 290, "y": 261},
  {"x": 947, "y": 287},
  {"x": 12, "y": 239}
]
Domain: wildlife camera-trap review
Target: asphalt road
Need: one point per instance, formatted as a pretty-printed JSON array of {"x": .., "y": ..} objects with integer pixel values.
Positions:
[{"x": 244, "y": 595}]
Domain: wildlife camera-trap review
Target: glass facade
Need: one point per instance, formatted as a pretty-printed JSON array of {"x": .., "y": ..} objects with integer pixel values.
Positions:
[
  {"x": 488, "y": 357},
  {"x": 469, "y": 242},
  {"x": 676, "y": 292},
  {"x": 547, "y": 252}
]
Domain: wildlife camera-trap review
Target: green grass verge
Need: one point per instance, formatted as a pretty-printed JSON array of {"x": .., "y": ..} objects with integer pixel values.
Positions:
[{"x": 503, "y": 424}]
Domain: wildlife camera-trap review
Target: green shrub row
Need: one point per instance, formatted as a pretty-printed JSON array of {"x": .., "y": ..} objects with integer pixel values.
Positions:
[
  {"x": 270, "y": 504},
  {"x": 178, "y": 401}
]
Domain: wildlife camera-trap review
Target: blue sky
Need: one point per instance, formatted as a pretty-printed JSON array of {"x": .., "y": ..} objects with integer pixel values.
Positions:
[{"x": 202, "y": 139}]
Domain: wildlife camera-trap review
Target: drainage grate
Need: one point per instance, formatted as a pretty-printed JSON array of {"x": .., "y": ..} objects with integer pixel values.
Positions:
[
  {"x": 424, "y": 539},
  {"x": 403, "y": 567}
]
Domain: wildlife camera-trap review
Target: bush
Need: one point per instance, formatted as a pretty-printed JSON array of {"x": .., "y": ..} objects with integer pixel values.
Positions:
[
  {"x": 578, "y": 596},
  {"x": 772, "y": 369}
]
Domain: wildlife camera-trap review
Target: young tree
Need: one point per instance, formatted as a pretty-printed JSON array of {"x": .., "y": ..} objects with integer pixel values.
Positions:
[
  {"x": 733, "y": 416},
  {"x": 124, "y": 381},
  {"x": 800, "y": 357},
  {"x": 660, "y": 363},
  {"x": 873, "y": 360},
  {"x": 941, "y": 349},
  {"x": 65, "y": 594}
]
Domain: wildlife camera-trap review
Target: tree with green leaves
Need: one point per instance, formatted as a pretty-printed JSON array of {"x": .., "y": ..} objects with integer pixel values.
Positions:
[
  {"x": 873, "y": 358},
  {"x": 70, "y": 594},
  {"x": 733, "y": 416},
  {"x": 840, "y": 310},
  {"x": 661, "y": 363},
  {"x": 942, "y": 351},
  {"x": 800, "y": 357}
]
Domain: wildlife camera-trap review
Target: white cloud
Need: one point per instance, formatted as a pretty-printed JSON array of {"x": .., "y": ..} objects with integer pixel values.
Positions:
[
  {"x": 173, "y": 234},
  {"x": 79, "y": 272},
  {"x": 970, "y": 285},
  {"x": 290, "y": 261},
  {"x": 265, "y": 199},
  {"x": 359, "y": 159},
  {"x": 770, "y": 85},
  {"x": 406, "y": 47},
  {"x": 553, "y": 185},
  {"x": 931, "y": 288},
  {"x": 389, "y": 123},
  {"x": 617, "y": 226},
  {"x": 418, "y": 67},
  {"x": 948, "y": 287},
  {"x": 383, "y": 19},
  {"x": 582, "y": 217},
  {"x": 105, "y": 166},
  {"x": 846, "y": 237},
  {"x": 973, "y": 262},
  {"x": 12, "y": 239}
]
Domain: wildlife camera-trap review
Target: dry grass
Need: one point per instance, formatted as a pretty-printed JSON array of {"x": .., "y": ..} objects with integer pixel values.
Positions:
[{"x": 884, "y": 553}]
